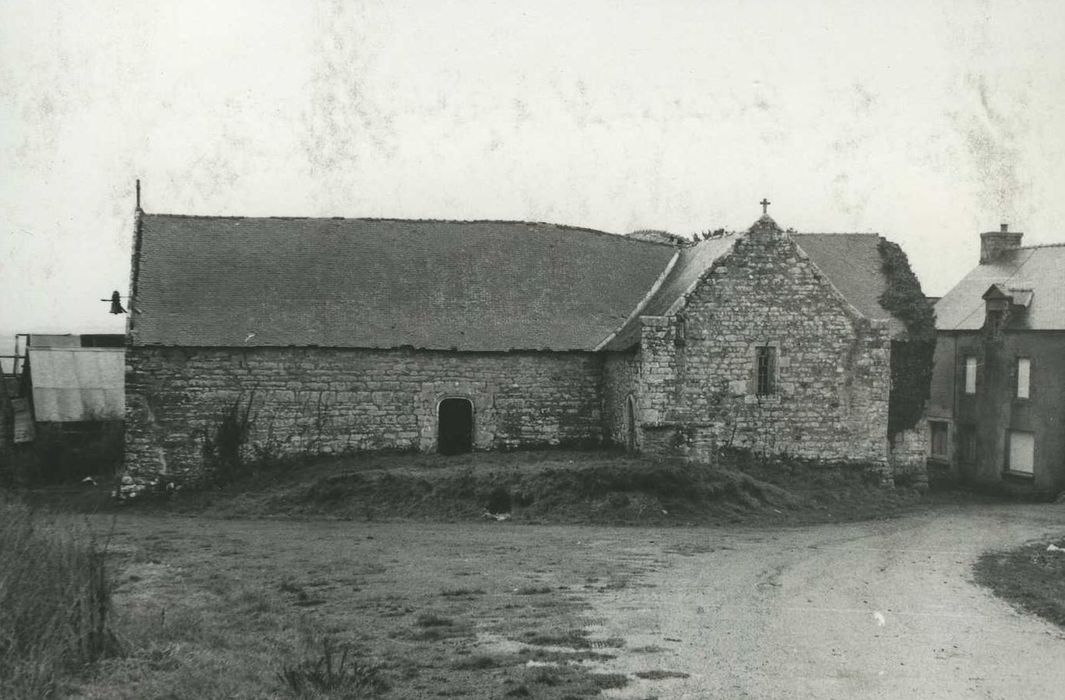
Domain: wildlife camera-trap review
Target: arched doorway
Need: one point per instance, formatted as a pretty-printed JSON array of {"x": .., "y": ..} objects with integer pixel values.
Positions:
[
  {"x": 630, "y": 424},
  {"x": 454, "y": 427}
]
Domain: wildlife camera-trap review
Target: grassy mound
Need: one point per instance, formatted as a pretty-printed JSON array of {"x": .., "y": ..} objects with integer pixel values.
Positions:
[{"x": 553, "y": 486}]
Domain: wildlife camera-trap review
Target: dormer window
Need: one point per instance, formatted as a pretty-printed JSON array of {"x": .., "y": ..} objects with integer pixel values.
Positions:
[
  {"x": 995, "y": 319},
  {"x": 1002, "y": 304}
]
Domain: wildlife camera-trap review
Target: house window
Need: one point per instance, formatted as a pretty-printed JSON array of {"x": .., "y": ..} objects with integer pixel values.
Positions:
[
  {"x": 967, "y": 443},
  {"x": 765, "y": 370},
  {"x": 970, "y": 375},
  {"x": 938, "y": 439},
  {"x": 1021, "y": 452},
  {"x": 1024, "y": 373}
]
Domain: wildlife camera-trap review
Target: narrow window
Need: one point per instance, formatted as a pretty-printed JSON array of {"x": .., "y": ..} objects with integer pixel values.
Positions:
[
  {"x": 970, "y": 375},
  {"x": 938, "y": 439},
  {"x": 630, "y": 424},
  {"x": 1024, "y": 372},
  {"x": 765, "y": 364},
  {"x": 1022, "y": 452}
]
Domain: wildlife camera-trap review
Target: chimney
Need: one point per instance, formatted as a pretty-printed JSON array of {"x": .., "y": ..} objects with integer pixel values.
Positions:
[{"x": 994, "y": 243}]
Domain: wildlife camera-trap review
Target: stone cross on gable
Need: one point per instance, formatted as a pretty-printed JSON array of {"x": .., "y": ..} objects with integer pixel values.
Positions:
[{"x": 765, "y": 205}]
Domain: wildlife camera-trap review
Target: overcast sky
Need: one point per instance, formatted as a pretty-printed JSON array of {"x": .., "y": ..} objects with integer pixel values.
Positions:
[{"x": 927, "y": 124}]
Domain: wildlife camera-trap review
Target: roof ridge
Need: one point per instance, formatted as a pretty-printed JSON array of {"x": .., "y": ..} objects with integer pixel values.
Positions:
[
  {"x": 568, "y": 227},
  {"x": 837, "y": 233},
  {"x": 1039, "y": 245}
]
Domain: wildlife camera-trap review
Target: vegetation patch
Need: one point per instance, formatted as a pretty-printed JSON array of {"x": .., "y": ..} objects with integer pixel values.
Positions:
[
  {"x": 210, "y": 607},
  {"x": 461, "y": 592},
  {"x": 55, "y": 601},
  {"x": 911, "y": 360},
  {"x": 335, "y": 672},
  {"x": 224, "y": 448},
  {"x": 657, "y": 675},
  {"x": 572, "y": 639},
  {"x": 533, "y": 590},
  {"x": 1031, "y": 577},
  {"x": 588, "y": 487}
]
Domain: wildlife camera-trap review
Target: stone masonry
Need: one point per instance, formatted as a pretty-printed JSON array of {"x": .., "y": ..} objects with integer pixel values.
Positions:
[
  {"x": 334, "y": 401},
  {"x": 696, "y": 389},
  {"x": 684, "y": 358}
]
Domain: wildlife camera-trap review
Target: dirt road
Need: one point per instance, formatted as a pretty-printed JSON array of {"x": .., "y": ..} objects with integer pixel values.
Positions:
[
  {"x": 869, "y": 610},
  {"x": 882, "y": 609}
]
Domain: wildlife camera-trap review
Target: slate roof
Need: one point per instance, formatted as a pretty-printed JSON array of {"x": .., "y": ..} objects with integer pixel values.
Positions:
[
  {"x": 382, "y": 283},
  {"x": 462, "y": 285},
  {"x": 1036, "y": 269},
  {"x": 850, "y": 261},
  {"x": 691, "y": 263}
]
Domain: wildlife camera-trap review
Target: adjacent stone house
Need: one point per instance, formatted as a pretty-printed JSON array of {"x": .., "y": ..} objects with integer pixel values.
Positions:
[
  {"x": 997, "y": 411},
  {"x": 343, "y": 335}
]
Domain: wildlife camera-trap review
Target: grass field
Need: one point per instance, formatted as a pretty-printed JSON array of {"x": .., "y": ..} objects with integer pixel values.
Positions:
[
  {"x": 211, "y": 608},
  {"x": 1031, "y": 577}
]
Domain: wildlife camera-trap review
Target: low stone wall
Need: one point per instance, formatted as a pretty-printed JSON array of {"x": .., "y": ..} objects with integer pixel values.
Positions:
[{"x": 332, "y": 401}]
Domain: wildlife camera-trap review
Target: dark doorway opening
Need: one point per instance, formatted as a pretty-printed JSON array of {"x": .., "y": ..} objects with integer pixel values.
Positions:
[{"x": 455, "y": 427}]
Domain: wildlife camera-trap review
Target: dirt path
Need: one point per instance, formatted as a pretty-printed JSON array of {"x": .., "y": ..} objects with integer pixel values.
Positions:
[{"x": 869, "y": 610}]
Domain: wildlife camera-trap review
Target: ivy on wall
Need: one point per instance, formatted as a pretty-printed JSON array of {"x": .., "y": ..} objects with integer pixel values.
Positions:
[{"x": 911, "y": 357}]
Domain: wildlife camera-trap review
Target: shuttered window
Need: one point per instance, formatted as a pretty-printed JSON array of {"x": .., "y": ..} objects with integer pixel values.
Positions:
[
  {"x": 938, "y": 439},
  {"x": 1022, "y": 452},
  {"x": 970, "y": 375},
  {"x": 1024, "y": 372}
]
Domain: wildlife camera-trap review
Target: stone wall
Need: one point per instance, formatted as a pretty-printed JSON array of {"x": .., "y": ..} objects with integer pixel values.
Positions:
[
  {"x": 832, "y": 365},
  {"x": 909, "y": 454},
  {"x": 332, "y": 401},
  {"x": 621, "y": 374}
]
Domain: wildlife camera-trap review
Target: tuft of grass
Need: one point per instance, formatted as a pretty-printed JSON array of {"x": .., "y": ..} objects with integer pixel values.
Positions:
[
  {"x": 433, "y": 620},
  {"x": 543, "y": 675},
  {"x": 55, "y": 598},
  {"x": 609, "y": 680},
  {"x": 476, "y": 663},
  {"x": 461, "y": 592},
  {"x": 658, "y": 674},
  {"x": 533, "y": 590},
  {"x": 571, "y": 639},
  {"x": 336, "y": 671}
]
